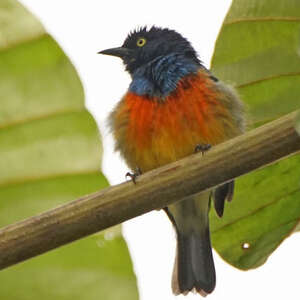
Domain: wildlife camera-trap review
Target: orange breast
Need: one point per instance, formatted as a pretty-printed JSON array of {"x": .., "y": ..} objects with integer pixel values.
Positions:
[{"x": 153, "y": 132}]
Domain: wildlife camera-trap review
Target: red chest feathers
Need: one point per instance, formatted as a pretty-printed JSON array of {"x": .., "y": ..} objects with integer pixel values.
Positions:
[{"x": 153, "y": 132}]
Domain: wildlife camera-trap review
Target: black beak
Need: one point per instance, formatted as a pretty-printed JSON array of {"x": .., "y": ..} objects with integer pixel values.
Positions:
[{"x": 119, "y": 52}]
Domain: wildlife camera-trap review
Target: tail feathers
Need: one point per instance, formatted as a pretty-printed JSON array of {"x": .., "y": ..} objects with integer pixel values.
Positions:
[
  {"x": 194, "y": 267},
  {"x": 222, "y": 193}
]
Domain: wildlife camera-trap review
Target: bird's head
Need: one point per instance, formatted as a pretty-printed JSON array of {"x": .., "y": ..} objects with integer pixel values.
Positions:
[{"x": 145, "y": 45}]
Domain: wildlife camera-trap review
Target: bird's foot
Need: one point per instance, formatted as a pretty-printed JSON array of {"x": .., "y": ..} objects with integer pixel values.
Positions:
[
  {"x": 134, "y": 175},
  {"x": 202, "y": 148}
]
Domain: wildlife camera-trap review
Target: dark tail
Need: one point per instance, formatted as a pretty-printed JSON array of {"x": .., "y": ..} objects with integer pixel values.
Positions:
[{"x": 194, "y": 266}]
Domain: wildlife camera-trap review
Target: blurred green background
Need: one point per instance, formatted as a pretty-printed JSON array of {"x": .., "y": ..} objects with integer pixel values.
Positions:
[{"x": 50, "y": 154}]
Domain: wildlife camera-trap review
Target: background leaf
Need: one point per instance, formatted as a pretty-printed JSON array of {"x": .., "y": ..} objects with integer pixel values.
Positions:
[
  {"x": 258, "y": 52},
  {"x": 51, "y": 153}
]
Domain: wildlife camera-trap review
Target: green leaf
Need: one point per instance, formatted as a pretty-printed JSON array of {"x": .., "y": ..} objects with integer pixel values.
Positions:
[
  {"x": 51, "y": 153},
  {"x": 258, "y": 52}
]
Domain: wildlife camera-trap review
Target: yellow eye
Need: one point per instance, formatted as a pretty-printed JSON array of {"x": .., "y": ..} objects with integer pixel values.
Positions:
[{"x": 141, "y": 42}]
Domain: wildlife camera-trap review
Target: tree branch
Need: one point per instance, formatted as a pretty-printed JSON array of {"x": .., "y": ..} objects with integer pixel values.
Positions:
[{"x": 154, "y": 190}]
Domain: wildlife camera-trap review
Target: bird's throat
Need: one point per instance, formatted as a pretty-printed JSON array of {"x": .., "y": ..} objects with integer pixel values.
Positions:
[{"x": 158, "y": 78}]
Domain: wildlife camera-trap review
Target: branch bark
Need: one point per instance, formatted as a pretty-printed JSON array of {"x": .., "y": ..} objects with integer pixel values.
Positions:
[{"x": 154, "y": 190}]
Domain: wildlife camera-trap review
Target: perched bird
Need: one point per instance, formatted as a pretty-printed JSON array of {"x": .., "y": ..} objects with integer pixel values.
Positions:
[{"x": 173, "y": 106}]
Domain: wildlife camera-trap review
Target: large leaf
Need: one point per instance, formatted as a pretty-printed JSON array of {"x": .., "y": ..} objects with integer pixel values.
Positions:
[
  {"x": 258, "y": 52},
  {"x": 50, "y": 153}
]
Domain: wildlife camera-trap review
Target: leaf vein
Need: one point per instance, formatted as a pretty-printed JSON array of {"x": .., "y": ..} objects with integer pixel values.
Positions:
[
  {"x": 267, "y": 78},
  {"x": 20, "y": 42},
  {"x": 40, "y": 117},
  {"x": 45, "y": 178},
  {"x": 263, "y": 19}
]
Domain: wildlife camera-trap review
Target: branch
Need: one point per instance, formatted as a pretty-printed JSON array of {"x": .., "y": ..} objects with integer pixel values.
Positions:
[{"x": 154, "y": 190}]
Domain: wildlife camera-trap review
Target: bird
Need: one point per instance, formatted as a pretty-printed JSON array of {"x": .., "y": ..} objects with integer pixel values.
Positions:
[{"x": 173, "y": 106}]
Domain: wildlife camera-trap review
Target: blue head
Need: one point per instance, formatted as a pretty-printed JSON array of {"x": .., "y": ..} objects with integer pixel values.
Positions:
[{"x": 156, "y": 58}]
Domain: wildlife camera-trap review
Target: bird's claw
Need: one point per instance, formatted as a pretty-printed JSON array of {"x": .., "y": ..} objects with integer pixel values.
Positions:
[
  {"x": 202, "y": 148},
  {"x": 134, "y": 175}
]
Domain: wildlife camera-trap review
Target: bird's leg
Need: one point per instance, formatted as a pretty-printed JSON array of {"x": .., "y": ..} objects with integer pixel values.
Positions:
[
  {"x": 134, "y": 175},
  {"x": 202, "y": 148}
]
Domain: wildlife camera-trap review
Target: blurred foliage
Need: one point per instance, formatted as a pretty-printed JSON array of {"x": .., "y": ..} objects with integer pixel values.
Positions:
[
  {"x": 51, "y": 153},
  {"x": 258, "y": 52}
]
